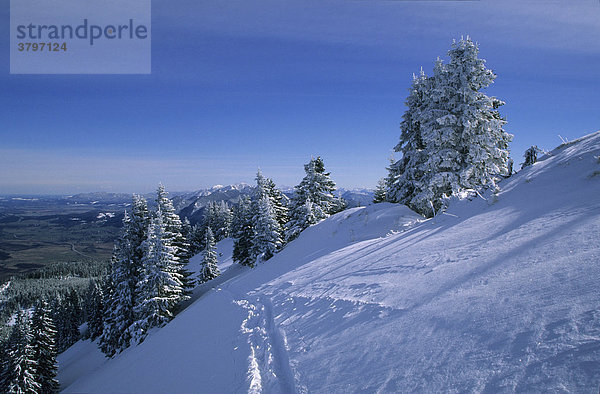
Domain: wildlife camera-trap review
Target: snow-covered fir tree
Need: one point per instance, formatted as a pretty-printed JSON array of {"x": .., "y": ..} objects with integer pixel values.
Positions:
[
  {"x": 380, "y": 192},
  {"x": 223, "y": 222},
  {"x": 268, "y": 233},
  {"x": 138, "y": 231},
  {"x": 268, "y": 237},
  {"x": 404, "y": 176},
  {"x": 315, "y": 191},
  {"x": 125, "y": 273},
  {"x": 531, "y": 156},
  {"x": 209, "y": 269},
  {"x": 44, "y": 346},
  {"x": 68, "y": 316},
  {"x": 218, "y": 217},
  {"x": 302, "y": 217},
  {"x": 161, "y": 286},
  {"x": 195, "y": 239},
  {"x": 173, "y": 228},
  {"x": 110, "y": 338},
  {"x": 186, "y": 230},
  {"x": 4, "y": 362},
  {"x": 278, "y": 200},
  {"x": 322, "y": 191},
  {"x": 20, "y": 371},
  {"x": 119, "y": 314},
  {"x": 243, "y": 232},
  {"x": 453, "y": 141},
  {"x": 95, "y": 310}
]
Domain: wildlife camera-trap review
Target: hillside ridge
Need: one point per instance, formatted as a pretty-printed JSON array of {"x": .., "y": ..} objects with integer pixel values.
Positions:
[{"x": 500, "y": 293}]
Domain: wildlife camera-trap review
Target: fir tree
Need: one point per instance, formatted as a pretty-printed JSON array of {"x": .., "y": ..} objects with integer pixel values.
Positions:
[
  {"x": 173, "y": 227},
  {"x": 405, "y": 174},
  {"x": 267, "y": 238},
  {"x": 20, "y": 371},
  {"x": 278, "y": 200},
  {"x": 243, "y": 232},
  {"x": 125, "y": 272},
  {"x": 44, "y": 345},
  {"x": 4, "y": 365},
  {"x": 137, "y": 234},
  {"x": 68, "y": 316},
  {"x": 303, "y": 216},
  {"x": 196, "y": 239},
  {"x": 531, "y": 156},
  {"x": 186, "y": 230},
  {"x": 380, "y": 192},
  {"x": 315, "y": 191},
  {"x": 268, "y": 233},
  {"x": 209, "y": 269},
  {"x": 453, "y": 142},
  {"x": 224, "y": 219},
  {"x": 95, "y": 310},
  {"x": 209, "y": 218},
  {"x": 161, "y": 286},
  {"x": 218, "y": 216},
  {"x": 119, "y": 312},
  {"x": 110, "y": 340}
]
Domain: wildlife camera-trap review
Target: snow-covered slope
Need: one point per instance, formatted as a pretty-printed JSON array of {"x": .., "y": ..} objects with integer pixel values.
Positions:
[{"x": 501, "y": 294}]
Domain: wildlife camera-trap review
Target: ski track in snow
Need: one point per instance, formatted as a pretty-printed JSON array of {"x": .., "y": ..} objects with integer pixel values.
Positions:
[{"x": 269, "y": 368}]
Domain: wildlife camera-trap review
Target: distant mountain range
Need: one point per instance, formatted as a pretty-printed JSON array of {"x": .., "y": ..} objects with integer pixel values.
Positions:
[{"x": 192, "y": 204}]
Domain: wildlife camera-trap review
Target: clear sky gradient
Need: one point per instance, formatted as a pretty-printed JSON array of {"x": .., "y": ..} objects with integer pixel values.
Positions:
[{"x": 238, "y": 85}]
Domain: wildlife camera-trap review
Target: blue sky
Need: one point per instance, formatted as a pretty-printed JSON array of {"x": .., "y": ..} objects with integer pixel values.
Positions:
[{"x": 238, "y": 85}]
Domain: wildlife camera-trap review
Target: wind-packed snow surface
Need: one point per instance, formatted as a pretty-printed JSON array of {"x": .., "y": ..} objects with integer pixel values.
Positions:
[{"x": 496, "y": 295}]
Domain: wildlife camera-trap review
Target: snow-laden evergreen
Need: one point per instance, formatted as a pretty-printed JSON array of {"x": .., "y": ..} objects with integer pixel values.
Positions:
[
  {"x": 95, "y": 310},
  {"x": 174, "y": 229},
  {"x": 267, "y": 238},
  {"x": 531, "y": 156},
  {"x": 279, "y": 202},
  {"x": 195, "y": 238},
  {"x": 316, "y": 193},
  {"x": 125, "y": 273},
  {"x": 44, "y": 345},
  {"x": 302, "y": 216},
  {"x": 243, "y": 232},
  {"x": 257, "y": 225},
  {"x": 119, "y": 308},
  {"x": 404, "y": 179},
  {"x": 268, "y": 233},
  {"x": 209, "y": 269},
  {"x": 20, "y": 371},
  {"x": 380, "y": 194},
  {"x": 218, "y": 217},
  {"x": 161, "y": 286},
  {"x": 452, "y": 140},
  {"x": 67, "y": 315},
  {"x": 148, "y": 274}
]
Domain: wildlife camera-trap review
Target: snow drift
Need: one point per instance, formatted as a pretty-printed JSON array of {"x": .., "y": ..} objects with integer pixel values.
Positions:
[{"x": 501, "y": 294}]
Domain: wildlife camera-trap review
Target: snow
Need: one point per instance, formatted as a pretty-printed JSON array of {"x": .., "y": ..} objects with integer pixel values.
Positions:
[
  {"x": 3, "y": 288},
  {"x": 501, "y": 294},
  {"x": 81, "y": 359},
  {"x": 105, "y": 215}
]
